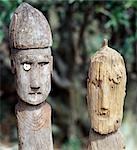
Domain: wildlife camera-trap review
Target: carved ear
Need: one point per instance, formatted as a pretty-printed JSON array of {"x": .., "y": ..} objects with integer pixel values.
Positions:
[
  {"x": 13, "y": 68},
  {"x": 51, "y": 66}
]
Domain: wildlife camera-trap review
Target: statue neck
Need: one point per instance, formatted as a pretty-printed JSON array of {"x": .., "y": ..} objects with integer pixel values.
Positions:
[{"x": 34, "y": 126}]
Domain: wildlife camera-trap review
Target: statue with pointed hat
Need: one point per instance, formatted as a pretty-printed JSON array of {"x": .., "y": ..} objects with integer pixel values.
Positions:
[{"x": 31, "y": 60}]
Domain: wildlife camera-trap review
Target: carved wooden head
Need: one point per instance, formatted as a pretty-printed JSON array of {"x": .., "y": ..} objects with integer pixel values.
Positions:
[
  {"x": 106, "y": 90},
  {"x": 30, "y": 41}
]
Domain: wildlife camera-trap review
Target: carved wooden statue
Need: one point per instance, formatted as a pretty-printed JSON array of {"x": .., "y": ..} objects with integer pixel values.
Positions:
[
  {"x": 31, "y": 41},
  {"x": 105, "y": 96}
]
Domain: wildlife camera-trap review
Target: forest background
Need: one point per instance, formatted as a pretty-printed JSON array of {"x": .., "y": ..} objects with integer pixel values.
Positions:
[{"x": 78, "y": 28}]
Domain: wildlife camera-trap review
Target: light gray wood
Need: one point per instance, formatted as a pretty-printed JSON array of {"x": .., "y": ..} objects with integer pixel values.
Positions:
[
  {"x": 34, "y": 84},
  {"x": 34, "y": 126},
  {"x": 29, "y": 29},
  {"x": 31, "y": 61}
]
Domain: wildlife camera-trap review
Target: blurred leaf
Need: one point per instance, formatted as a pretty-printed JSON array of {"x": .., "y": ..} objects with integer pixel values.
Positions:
[
  {"x": 72, "y": 144},
  {"x": 130, "y": 3},
  {"x": 1, "y": 36},
  {"x": 103, "y": 11}
]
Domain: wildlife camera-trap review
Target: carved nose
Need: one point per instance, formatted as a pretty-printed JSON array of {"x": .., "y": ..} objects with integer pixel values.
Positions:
[
  {"x": 34, "y": 81},
  {"x": 34, "y": 88},
  {"x": 105, "y": 104},
  {"x": 34, "y": 85},
  {"x": 105, "y": 99}
]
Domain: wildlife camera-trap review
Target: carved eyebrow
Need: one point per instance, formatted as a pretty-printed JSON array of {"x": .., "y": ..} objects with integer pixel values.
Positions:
[
  {"x": 26, "y": 59},
  {"x": 43, "y": 63},
  {"x": 26, "y": 62}
]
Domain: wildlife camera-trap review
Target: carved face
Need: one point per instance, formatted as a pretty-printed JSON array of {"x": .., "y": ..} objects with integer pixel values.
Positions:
[
  {"x": 33, "y": 74},
  {"x": 106, "y": 92}
]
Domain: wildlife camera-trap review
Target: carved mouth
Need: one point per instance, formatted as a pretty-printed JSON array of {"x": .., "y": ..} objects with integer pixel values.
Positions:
[
  {"x": 104, "y": 114},
  {"x": 34, "y": 93}
]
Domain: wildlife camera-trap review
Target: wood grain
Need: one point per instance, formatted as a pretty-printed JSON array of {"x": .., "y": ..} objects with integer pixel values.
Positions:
[
  {"x": 106, "y": 87},
  {"x": 30, "y": 41},
  {"x": 112, "y": 141},
  {"x": 34, "y": 126}
]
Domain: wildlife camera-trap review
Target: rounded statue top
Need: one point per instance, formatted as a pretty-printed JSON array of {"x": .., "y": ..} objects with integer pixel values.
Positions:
[
  {"x": 29, "y": 29},
  {"x": 106, "y": 89},
  {"x": 107, "y": 53}
]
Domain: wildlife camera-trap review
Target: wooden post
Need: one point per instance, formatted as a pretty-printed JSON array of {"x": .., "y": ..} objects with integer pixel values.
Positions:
[
  {"x": 31, "y": 60},
  {"x": 111, "y": 141},
  {"x": 105, "y": 96}
]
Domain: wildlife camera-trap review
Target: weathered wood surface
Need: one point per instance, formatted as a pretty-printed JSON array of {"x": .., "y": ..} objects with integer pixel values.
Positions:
[
  {"x": 34, "y": 126},
  {"x": 33, "y": 70},
  {"x": 112, "y": 141},
  {"x": 29, "y": 29},
  {"x": 106, "y": 90},
  {"x": 30, "y": 42},
  {"x": 105, "y": 97}
]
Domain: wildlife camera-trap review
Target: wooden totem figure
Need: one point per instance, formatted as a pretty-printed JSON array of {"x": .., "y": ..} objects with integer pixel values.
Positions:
[
  {"x": 106, "y": 86},
  {"x": 31, "y": 59}
]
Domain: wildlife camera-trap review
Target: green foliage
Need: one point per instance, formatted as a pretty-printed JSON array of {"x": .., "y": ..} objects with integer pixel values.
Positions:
[
  {"x": 78, "y": 28},
  {"x": 72, "y": 144},
  {"x": 118, "y": 17},
  {"x": 130, "y": 4},
  {"x": 1, "y": 36},
  {"x": 7, "y": 8}
]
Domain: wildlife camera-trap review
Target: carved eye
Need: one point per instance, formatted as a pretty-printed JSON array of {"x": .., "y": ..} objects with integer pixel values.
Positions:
[
  {"x": 26, "y": 66},
  {"x": 43, "y": 63}
]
